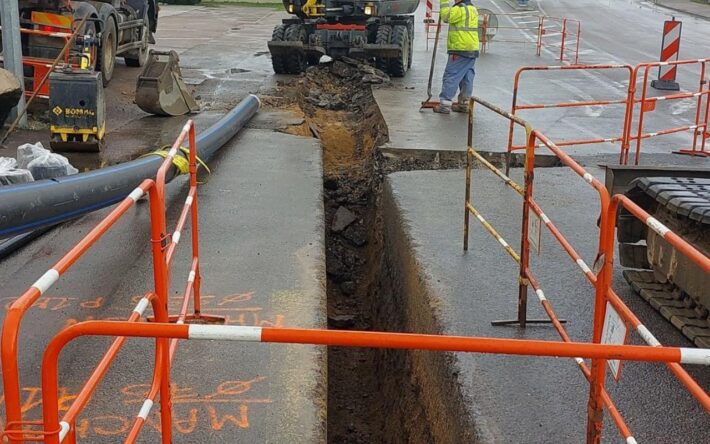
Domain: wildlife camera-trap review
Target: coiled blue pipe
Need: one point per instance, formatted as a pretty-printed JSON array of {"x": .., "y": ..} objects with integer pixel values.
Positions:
[{"x": 28, "y": 207}]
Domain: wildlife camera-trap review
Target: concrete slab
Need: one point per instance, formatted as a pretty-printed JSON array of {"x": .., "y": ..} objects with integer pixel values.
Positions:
[
  {"x": 516, "y": 399},
  {"x": 262, "y": 258}
]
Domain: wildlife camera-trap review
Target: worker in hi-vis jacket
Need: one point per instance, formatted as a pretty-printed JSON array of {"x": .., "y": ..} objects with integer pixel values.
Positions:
[{"x": 462, "y": 46}]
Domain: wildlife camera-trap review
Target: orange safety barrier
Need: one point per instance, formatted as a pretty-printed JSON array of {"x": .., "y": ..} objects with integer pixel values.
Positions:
[
  {"x": 516, "y": 107},
  {"x": 636, "y": 109},
  {"x": 163, "y": 249},
  {"x": 701, "y": 132},
  {"x": 601, "y": 280},
  {"x": 55, "y": 430},
  {"x": 490, "y": 28},
  {"x": 562, "y": 27}
]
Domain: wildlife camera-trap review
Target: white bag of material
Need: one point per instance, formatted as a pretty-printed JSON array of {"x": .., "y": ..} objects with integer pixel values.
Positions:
[
  {"x": 9, "y": 175},
  {"x": 28, "y": 152},
  {"x": 51, "y": 165}
]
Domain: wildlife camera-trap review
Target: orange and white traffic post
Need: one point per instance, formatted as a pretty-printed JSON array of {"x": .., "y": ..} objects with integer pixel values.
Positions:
[{"x": 670, "y": 48}]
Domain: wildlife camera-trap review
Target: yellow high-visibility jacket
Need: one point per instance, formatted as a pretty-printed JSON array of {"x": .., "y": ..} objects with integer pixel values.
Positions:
[{"x": 463, "y": 28}]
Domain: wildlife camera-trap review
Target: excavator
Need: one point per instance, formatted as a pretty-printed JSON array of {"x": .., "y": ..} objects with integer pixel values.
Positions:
[
  {"x": 665, "y": 278},
  {"x": 379, "y": 30}
]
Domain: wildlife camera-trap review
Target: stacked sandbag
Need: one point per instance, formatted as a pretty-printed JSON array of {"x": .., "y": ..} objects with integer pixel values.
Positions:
[
  {"x": 10, "y": 174},
  {"x": 42, "y": 163},
  {"x": 10, "y": 93}
]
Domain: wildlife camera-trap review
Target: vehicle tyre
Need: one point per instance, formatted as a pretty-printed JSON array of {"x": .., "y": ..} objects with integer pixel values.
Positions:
[
  {"x": 278, "y": 61},
  {"x": 107, "y": 52},
  {"x": 139, "y": 57},
  {"x": 296, "y": 62},
  {"x": 384, "y": 32},
  {"x": 399, "y": 65}
]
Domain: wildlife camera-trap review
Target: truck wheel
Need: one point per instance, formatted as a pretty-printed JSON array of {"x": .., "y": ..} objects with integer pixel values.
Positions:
[
  {"x": 384, "y": 32},
  {"x": 400, "y": 65},
  {"x": 138, "y": 57},
  {"x": 296, "y": 62},
  {"x": 278, "y": 61},
  {"x": 107, "y": 53}
]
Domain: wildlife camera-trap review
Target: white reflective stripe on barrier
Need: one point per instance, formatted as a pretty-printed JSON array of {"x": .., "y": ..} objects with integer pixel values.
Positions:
[
  {"x": 142, "y": 305},
  {"x": 631, "y": 440},
  {"x": 540, "y": 294},
  {"x": 145, "y": 409},
  {"x": 176, "y": 237},
  {"x": 695, "y": 356},
  {"x": 647, "y": 336},
  {"x": 63, "y": 430},
  {"x": 191, "y": 277},
  {"x": 225, "y": 332},
  {"x": 657, "y": 226},
  {"x": 47, "y": 280},
  {"x": 136, "y": 194},
  {"x": 188, "y": 201},
  {"x": 585, "y": 268}
]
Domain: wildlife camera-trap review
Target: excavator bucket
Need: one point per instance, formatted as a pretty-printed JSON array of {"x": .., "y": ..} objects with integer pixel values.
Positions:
[{"x": 161, "y": 89}]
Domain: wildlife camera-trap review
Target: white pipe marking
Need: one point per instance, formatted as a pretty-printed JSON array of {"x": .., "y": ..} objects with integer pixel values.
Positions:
[
  {"x": 47, "y": 280},
  {"x": 657, "y": 226},
  {"x": 145, "y": 409},
  {"x": 540, "y": 295},
  {"x": 647, "y": 336},
  {"x": 63, "y": 430},
  {"x": 585, "y": 268},
  {"x": 142, "y": 305},
  {"x": 225, "y": 332},
  {"x": 136, "y": 194},
  {"x": 699, "y": 356}
]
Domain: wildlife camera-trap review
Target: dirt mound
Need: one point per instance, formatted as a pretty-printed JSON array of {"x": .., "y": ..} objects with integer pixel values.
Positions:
[{"x": 341, "y": 111}]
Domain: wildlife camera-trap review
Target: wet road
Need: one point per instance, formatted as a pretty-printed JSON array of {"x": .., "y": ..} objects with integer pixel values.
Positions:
[
  {"x": 618, "y": 32},
  {"x": 261, "y": 215}
]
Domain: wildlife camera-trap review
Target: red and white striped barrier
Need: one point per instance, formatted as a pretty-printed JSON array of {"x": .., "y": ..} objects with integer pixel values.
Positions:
[
  {"x": 670, "y": 49},
  {"x": 429, "y": 8}
]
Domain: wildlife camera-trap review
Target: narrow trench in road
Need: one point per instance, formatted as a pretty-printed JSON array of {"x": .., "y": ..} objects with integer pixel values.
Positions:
[{"x": 373, "y": 395}]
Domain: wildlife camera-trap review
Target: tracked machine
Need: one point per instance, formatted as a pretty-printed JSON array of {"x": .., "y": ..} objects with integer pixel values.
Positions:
[
  {"x": 671, "y": 283},
  {"x": 380, "y": 30}
]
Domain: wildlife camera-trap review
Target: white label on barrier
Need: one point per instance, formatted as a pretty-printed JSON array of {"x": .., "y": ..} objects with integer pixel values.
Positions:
[
  {"x": 534, "y": 231},
  {"x": 614, "y": 332}
]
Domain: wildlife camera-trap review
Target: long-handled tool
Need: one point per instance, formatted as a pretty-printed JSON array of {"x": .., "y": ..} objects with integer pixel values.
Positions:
[{"x": 428, "y": 103}]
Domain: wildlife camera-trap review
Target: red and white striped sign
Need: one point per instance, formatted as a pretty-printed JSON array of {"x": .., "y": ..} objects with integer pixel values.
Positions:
[
  {"x": 670, "y": 49},
  {"x": 429, "y": 7}
]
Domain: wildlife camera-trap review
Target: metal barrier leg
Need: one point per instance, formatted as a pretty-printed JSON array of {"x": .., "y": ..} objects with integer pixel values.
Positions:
[
  {"x": 595, "y": 412},
  {"x": 160, "y": 239},
  {"x": 523, "y": 282}
]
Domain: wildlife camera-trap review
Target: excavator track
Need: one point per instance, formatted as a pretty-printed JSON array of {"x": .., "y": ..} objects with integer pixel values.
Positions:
[{"x": 673, "y": 285}]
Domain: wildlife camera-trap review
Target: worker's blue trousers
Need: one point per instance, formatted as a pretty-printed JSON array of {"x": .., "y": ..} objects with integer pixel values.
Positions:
[{"x": 459, "y": 74}]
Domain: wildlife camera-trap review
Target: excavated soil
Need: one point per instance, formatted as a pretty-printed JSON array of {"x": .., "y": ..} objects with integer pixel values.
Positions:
[{"x": 373, "y": 395}]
